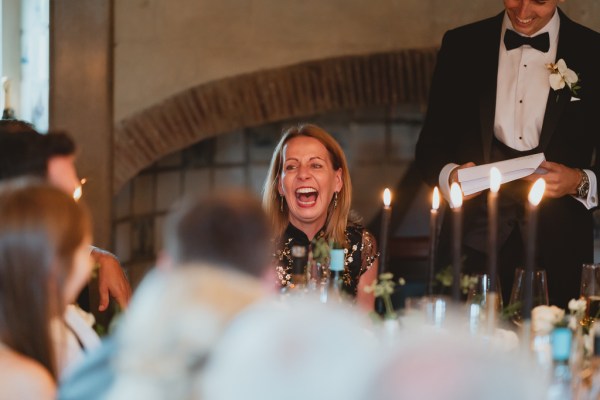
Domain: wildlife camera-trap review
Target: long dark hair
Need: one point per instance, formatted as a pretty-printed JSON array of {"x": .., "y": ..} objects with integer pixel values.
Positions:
[{"x": 40, "y": 230}]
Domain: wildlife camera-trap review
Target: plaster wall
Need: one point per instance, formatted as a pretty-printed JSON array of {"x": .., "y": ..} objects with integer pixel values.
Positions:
[{"x": 165, "y": 46}]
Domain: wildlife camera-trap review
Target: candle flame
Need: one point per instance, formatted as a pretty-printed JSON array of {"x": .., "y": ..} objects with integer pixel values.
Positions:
[
  {"x": 387, "y": 197},
  {"x": 435, "y": 201},
  {"x": 495, "y": 179},
  {"x": 537, "y": 192},
  {"x": 78, "y": 192},
  {"x": 456, "y": 195}
]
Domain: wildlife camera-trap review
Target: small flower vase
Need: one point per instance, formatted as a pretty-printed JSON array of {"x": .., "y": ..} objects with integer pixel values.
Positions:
[
  {"x": 390, "y": 329},
  {"x": 580, "y": 350},
  {"x": 542, "y": 350}
]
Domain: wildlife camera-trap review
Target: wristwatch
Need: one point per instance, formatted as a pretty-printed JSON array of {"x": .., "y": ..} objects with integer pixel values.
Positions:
[{"x": 584, "y": 185}]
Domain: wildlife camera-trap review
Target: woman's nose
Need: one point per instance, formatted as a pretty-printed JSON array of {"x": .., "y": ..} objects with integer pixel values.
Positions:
[{"x": 303, "y": 171}]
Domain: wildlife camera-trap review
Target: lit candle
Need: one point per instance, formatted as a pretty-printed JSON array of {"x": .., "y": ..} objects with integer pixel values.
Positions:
[
  {"x": 495, "y": 180},
  {"x": 385, "y": 227},
  {"x": 535, "y": 196},
  {"x": 6, "y": 88},
  {"x": 78, "y": 192},
  {"x": 456, "y": 197},
  {"x": 435, "y": 204}
]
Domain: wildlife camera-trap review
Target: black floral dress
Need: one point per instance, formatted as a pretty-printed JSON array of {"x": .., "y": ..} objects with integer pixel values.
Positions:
[{"x": 359, "y": 255}]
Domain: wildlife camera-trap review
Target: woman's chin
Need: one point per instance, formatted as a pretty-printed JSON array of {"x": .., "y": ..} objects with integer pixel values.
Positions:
[{"x": 307, "y": 215}]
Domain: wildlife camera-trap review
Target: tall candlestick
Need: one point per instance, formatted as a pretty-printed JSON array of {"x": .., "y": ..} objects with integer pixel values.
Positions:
[
  {"x": 385, "y": 227},
  {"x": 435, "y": 204},
  {"x": 535, "y": 196},
  {"x": 456, "y": 197},
  {"x": 495, "y": 180}
]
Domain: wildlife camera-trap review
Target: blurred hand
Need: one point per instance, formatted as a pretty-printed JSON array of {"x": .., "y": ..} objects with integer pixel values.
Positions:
[
  {"x": 111, "y": 279},
  {"x": 454, "y": 178},
  {"x": 560, "y": 179}
]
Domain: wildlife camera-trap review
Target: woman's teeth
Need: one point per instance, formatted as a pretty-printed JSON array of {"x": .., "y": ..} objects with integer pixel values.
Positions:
[{"x": 306, "y": 196}]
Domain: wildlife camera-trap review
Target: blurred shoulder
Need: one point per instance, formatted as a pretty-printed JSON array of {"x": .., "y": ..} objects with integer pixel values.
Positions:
[{"x": 24, "y": 378}]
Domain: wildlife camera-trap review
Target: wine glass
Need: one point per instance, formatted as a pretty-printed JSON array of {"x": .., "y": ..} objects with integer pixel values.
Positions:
[
  {"x": 432, "y": 309},
  {"x": 590, "y": 290},
  {"x": 517, "y": 296},
  {"x": 478, "y": 296}
]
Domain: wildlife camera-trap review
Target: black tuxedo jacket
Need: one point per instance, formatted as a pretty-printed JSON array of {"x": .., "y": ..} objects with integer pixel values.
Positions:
[{"x": 459, "y": 125}]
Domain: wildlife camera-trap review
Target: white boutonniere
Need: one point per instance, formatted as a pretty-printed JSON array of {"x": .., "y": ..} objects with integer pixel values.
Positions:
[{"x": 560, "y": 76}]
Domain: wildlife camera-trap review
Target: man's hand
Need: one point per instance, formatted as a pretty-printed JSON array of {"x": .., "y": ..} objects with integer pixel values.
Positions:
[
  {"x": 560, "y": 179},
  {"x": 454, "y": 178},
  {"x": 111, "y": 279}
]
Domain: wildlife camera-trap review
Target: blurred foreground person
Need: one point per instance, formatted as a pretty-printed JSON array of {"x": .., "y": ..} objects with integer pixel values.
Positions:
[
  {"x": 44, "y": 262},
  {"x": 217, "y": 249},
  {"x": 25, "y": 152},
  {"x": 452, "y": 365},
  {"x": 294, "y": 351}
]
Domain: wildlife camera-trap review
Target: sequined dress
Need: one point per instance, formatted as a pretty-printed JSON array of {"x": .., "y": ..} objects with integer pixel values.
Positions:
[{"x": 359, "y": 256}]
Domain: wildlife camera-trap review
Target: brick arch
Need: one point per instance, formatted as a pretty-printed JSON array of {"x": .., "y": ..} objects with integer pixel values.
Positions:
[{"x": 257, "y": 98}]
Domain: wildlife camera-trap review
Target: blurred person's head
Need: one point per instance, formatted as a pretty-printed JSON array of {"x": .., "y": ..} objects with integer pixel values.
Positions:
[
  {"x": 227, "y": 228},
  {"x": 44, "y": 262},
  {"x": 452, "y": 365},
  {"x": 308, "y": 183},
  {"x": 294, "y": 350},
  {"x": 26, "y": 152},
  {"x": 219, "y": 246}
]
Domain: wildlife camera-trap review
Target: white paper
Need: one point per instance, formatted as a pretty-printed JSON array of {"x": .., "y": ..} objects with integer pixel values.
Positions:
[{"x": 475, "y": 179}]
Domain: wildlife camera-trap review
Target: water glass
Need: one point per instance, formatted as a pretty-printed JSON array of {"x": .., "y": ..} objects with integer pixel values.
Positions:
[
  {"x": 479, "y": 291},
  {"x": 517, "y": 297},
  {"x": 432, "y": 309},
  {"x": 477, "y": 302}
]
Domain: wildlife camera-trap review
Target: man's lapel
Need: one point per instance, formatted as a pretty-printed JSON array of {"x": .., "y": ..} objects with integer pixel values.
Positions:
[
  {"x": 487, "y": 101},
  {"x": 557, "y": 99}
]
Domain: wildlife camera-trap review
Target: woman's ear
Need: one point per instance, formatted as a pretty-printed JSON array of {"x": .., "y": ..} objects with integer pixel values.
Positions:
[{"x": 339, "y": 183}]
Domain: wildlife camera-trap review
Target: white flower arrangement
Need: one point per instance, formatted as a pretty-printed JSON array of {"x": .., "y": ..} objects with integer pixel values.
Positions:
[
  {"x": 577, "y": 308},
  {"x": 561, "y": 76},
  {"x": 384, "y": 288},
  {"x": 545, "y": 318}
]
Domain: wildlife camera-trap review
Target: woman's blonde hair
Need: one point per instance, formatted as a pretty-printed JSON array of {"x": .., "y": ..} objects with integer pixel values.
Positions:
[{"x": 274, "y": 204}]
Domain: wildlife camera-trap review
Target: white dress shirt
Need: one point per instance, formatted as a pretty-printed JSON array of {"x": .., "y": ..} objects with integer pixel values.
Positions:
[{"x": 521, "y": 97}]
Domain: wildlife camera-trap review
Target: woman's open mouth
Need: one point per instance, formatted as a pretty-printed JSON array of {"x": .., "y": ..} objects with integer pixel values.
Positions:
[{"x": 306, "y": 196}]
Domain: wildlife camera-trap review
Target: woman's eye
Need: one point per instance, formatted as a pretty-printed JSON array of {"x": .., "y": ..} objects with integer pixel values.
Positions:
[
  {"x": 290, "y": 167},
  {"x": 315, "y": 165}
]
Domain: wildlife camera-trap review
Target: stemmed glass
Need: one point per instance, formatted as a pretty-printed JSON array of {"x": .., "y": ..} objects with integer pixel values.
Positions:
[
  {"x": 517, "y": 297},
  {"x": 590, "y": 290}
]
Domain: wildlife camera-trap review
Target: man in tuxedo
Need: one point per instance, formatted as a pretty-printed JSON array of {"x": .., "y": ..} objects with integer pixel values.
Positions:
[{"x": 491, "y": 99}]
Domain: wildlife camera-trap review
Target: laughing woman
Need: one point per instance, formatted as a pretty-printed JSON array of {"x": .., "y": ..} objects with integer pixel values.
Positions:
[{"x": 307, "y": 195}]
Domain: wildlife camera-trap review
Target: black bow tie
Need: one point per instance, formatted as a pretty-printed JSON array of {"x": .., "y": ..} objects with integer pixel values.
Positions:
[{"x": 512, "y": 40}]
